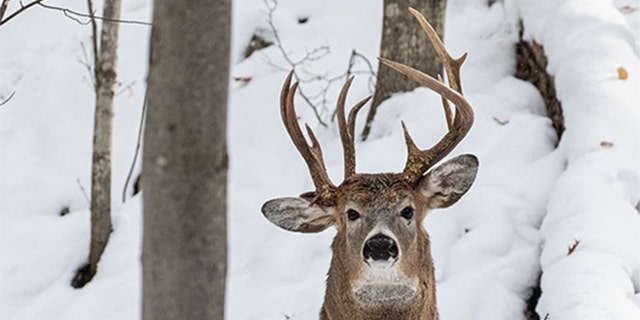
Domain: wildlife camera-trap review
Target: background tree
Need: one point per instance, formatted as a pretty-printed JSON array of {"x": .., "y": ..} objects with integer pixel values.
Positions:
[
  {"x": 185, "y": 161},
  {"x": 105, "y": 62},
  {"x": 404, "y": 41}
]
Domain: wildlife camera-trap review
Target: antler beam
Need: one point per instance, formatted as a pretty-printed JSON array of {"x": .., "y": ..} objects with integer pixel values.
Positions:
[
  {"x": 419, "y": 161},
  {"x": 312, "y": 155}
]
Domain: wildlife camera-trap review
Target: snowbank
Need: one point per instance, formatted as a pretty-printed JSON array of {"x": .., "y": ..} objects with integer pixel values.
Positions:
[{"x": 594, "y": 204}]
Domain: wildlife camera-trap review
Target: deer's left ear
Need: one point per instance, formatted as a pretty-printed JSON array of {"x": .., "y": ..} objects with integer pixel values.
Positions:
[{"x": 447, "y": 183}]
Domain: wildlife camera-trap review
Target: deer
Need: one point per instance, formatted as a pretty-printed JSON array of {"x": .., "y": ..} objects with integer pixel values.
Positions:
[{"x": 381, "y": 266}]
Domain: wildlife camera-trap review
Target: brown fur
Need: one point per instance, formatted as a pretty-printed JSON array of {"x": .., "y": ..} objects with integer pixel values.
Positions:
[{"x": 379, "y": 191}]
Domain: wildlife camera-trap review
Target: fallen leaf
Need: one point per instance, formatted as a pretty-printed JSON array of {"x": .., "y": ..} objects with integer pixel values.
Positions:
[
  {"x": 622, "y": 73},
  {"x": 628, "y": 9},
  {"x": 606, "y": 144},
  {"x": 242, "y": 79}
]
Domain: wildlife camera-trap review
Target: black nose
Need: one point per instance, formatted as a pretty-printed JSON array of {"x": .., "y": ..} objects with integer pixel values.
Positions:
[{"x": 380, "y": 247}]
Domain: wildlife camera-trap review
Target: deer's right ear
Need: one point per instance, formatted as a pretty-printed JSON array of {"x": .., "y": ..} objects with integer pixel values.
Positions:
[{"x": 298, "y": 214}]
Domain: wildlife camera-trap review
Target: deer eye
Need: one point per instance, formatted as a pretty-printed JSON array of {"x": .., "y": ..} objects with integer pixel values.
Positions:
[
  {"x": 352, "y": 214},
  {"x": 407, "y": 213}
]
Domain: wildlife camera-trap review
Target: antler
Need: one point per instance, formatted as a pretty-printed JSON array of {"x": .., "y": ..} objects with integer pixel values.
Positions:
[
  {"x": 419, "y": 161},
  {"x": 325, "y": 190},
  {"x": 347, "y": 129}
]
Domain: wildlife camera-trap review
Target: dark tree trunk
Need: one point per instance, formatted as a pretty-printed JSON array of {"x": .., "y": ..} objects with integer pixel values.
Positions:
[
  {"x": 185, "y": 161},
  {"x": 532, "y": 67},
  {"x": 404, "y": 41},
  {"x": 105, "y": 84}
]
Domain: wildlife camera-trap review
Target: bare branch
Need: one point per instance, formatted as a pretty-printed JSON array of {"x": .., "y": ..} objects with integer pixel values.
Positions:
[
  {"x": 84, "y": 192},
  {"x": 125, "y": 87},
  {"x": 92, "y": 15},
  {"x": 137, "y": 151},
  {"x": 71, "y": 14},
  {"x": 311, "y": 55},
  {"x": 319, "y": 102},
  {"x": 85, "y": 62},
  {"x": 22, "y": 9},
  {"x": 7, "y": 99}
]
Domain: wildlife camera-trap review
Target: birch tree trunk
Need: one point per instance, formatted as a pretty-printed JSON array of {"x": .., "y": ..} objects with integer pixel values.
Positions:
[
  {"x": 185, "y": 161},
  {"x": 404, "y": 41},
  {"x": 105, "y": 84}
]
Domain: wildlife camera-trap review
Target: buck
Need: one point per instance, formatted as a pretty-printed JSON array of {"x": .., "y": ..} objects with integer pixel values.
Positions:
[{"x": 381, "y": 266}]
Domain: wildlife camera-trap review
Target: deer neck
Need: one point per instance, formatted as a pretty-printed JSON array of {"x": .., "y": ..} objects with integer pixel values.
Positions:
[{"x": 339, "y": 303}]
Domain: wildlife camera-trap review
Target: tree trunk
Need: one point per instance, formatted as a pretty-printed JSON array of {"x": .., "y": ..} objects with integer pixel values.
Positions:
[
  {"x": 185, "y": 161},
  {"x": 105, "y": 82},
  {"x": 404, "y": 41}
]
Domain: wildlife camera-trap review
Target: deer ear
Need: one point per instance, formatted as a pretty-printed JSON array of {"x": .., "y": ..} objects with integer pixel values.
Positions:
[
  {"x": 298, "y": 214},
  {"x": 447, "y": 183}
]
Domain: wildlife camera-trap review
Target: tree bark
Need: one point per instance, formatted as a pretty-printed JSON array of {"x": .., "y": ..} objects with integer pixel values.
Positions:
[
  {"x": 404, "y": 41},
  {"x": 532, "y": 67},
  {"x": 185, "y": 161},
  {"x": 105, "y": 82}
]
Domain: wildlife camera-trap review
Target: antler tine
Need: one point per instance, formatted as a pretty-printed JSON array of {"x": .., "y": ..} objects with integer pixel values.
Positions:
[
  {"x": 347, "y": 128},
  {"x": 312, "y": 155},
  {"x": 354, "y": 113},
  {"x": 451, "y": 65},
  {"x": 419, "y": 161},
  {"x": 447, "y": 109},
  {"x": 348, "y": 146}
]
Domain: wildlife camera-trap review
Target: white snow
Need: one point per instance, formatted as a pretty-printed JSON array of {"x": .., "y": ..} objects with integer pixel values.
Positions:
[
  {"x": 595, "y": 200},
  {"x": 530, "y": 202}
]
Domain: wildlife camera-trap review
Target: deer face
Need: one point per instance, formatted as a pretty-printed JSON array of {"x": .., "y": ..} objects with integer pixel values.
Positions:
[{"x": 381, "y": 243}]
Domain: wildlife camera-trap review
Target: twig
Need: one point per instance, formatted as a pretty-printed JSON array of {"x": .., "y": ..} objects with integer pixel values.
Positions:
[
  {"x": 22, "y": 9},
  {"x": 135, "y": 154},
  {"x": 313, "y": 55},
  {"x": 310, "y": 55},
  {"x": 573, "y": 247},
  {"x": 305, "y": 77},
  {"x": 68, "y": 15},
  {"x": 7, "y": 100},
  {"x": 71, "y": 14},
  {"x": 125, "y": 87},
  {"x": 68, "y": 12},
  {"x": 500, "y": 122},
  {"x": 84, "y": 192},
  {"x": 85, "y": 62},
  {"x": 352, "y": 62},
  {"x": 3, "y": 8}
]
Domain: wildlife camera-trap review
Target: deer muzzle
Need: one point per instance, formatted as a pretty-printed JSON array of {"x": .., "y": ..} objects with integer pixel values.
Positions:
[{"x": 380, "y": 248}]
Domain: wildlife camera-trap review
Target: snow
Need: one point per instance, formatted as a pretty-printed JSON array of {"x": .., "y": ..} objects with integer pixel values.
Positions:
[
  {"x": 530, "y": 202},
  {"x": 595, "y": 199}
]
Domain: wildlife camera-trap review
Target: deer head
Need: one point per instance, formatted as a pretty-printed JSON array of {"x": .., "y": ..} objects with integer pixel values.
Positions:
[{"x": 381, "y": 266}]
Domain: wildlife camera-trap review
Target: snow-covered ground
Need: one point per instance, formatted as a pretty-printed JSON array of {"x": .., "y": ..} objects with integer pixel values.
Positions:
[{"x": 531, "y": 200}]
